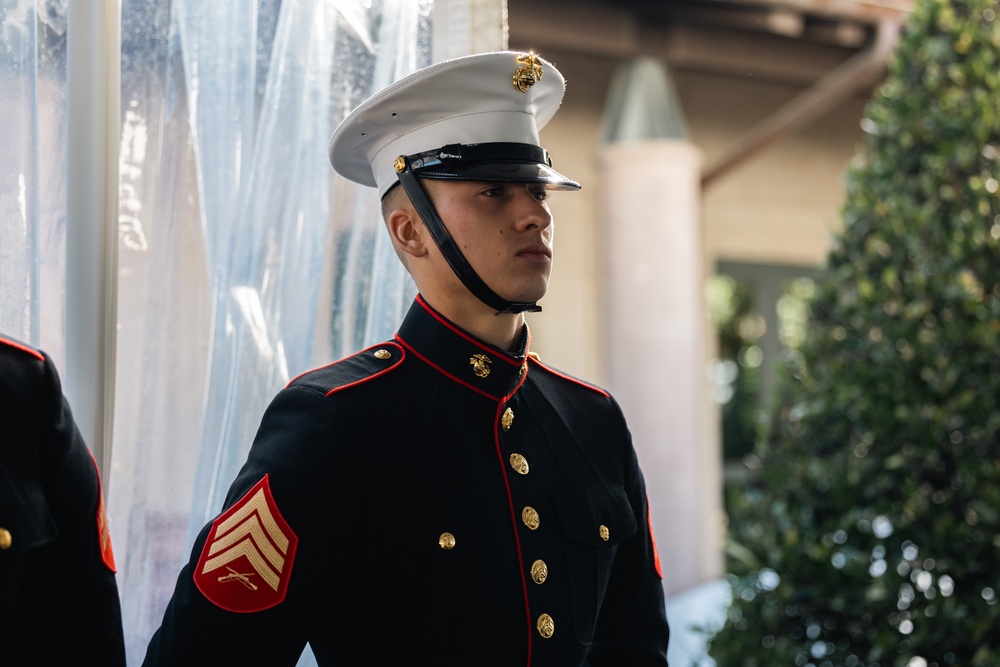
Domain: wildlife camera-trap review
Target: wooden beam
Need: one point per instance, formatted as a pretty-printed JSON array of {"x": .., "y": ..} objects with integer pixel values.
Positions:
[
  {"x": 867, "y": 11},
  {"x": 860, "y": 71}
]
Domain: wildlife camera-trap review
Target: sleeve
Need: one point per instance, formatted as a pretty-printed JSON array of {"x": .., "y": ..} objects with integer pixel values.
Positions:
[
  {"x": 69, "y": 589},
  {"x": 632, "y": 625},
  {"x": 260, "y": 574}
]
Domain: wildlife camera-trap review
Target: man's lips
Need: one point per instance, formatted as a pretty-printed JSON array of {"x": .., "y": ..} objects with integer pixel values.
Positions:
[{"x": 536, "y": 252}]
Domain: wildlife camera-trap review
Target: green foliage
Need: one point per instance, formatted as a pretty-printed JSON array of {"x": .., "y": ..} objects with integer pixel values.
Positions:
[{"x": 872, "y": 534}]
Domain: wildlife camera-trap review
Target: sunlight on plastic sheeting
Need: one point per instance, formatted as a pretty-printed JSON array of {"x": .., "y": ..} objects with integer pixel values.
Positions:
[{"x": 248, "y": 301}]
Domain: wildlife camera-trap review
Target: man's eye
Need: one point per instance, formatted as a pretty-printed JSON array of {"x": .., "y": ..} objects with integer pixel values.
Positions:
[
  {"x": 492, "y": 192},
  {"x": 541, "y": 195}
]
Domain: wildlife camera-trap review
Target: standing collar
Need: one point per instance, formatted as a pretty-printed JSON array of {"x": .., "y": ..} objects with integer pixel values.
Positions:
[{"x": 473, "y": 363}]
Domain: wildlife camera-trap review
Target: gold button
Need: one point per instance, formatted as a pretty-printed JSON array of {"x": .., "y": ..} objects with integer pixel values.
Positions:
[
  {"x": 382, "y": 354},
  {"x": 546, "y": 626},
  {"x": 5, "y": 539},
  {"x": 519, "y": 463},
  {"x": 539, "y": 571},
  {"x": 399, "y": 164},
  {"x": 507, "y": 419},
  {"x": 604, "y": 532},
  {"x": 530, "y": 518},
  {"x": 446, "y": 541}
]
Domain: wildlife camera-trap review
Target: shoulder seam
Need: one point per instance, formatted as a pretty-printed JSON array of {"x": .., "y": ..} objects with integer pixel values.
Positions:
[
  {"x": 361, "y": 377},
  {"x": 570, "y": 378},
  {"x": 402, "y": 355}
]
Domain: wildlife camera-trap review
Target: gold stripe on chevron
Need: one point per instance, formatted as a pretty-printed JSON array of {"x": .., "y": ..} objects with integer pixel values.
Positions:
[
  {"x": 252, "y": 528},
  {"x": 248, "y": 549},
  {"x": 256, "y": 504}
]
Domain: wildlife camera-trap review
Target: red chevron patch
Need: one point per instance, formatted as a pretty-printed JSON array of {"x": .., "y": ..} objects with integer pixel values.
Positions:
[{"x": 247, "y": 559}]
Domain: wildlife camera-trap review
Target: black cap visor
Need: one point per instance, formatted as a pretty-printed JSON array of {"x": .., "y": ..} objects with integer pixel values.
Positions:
[{"x": 493, "y": 163}]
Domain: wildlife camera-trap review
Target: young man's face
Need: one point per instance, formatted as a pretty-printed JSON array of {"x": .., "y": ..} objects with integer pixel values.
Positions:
[{"x": 503, "y": 229}]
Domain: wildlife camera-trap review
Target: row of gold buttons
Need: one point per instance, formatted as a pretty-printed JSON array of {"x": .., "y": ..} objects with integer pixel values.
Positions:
[{"x": 545, "y": 625}]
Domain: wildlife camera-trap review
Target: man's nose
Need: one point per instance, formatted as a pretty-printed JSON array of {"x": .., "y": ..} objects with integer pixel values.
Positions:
[{"x": 532, "y": 212}]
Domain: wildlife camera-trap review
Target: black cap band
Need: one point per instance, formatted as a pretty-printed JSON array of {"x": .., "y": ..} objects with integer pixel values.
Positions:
[{"x": 505, "y": 162}]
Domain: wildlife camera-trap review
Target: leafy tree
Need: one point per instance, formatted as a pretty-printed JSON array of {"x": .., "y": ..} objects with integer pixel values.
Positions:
[{"x": 872, "y": 534}]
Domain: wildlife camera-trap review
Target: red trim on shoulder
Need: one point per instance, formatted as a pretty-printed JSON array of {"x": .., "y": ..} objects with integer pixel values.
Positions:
[
  {"x": 652, "y": 541},
  {"x": 402, "y": 355},
  {"x": 433, "y": 313},
  {"x": 444, "y": 372},
  {"x": 103, "y": 531},
  {"x": 395, "y": 364},
  {"x": 246, "y": 563},
  {"x": 23, "y": 348},
  {"x": 572, "y": 379}
]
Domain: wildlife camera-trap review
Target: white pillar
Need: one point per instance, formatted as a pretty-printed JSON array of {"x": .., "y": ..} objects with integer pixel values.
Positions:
[
  {"x": 656, "y": 332},
  {"x": 464, "y": 27},
  {"x": 93, "y": 42}
]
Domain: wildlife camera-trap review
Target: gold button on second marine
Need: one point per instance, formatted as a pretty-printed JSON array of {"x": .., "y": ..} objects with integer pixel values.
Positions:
[
  {"x": 5, "y": 539},
  {"x": 530, "y": 518}
]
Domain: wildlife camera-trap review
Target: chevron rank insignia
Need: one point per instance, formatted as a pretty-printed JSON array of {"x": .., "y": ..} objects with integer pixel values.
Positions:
[{"x": 247, "y": 559}]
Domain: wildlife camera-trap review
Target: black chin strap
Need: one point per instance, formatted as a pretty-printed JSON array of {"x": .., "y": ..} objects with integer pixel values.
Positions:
[{"x": 456, "y": 260}]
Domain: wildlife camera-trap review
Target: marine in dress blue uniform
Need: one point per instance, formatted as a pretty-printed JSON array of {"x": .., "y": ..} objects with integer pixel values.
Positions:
[
  {"x": 436, "y": 498},
  {"x": 57, "y": 570}
]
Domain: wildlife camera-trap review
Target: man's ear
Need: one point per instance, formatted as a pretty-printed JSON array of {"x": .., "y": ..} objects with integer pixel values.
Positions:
[{"x": 407, "y": 231}]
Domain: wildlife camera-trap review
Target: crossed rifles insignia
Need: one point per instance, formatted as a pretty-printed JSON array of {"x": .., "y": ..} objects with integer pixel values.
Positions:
[{"x": 248, "y": 555}]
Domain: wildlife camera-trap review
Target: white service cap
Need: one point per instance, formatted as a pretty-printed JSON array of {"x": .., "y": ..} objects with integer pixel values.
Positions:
[{"x": 485, "y": 108}]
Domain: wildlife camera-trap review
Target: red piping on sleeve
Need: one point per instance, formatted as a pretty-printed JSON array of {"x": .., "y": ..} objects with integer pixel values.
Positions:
[{"x": 652, "y": 540}]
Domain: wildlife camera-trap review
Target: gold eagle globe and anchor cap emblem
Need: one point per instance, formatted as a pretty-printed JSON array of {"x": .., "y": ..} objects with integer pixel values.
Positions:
[
  {"x": 529, "y": 73},
  {"x": 480, "y": 365}
]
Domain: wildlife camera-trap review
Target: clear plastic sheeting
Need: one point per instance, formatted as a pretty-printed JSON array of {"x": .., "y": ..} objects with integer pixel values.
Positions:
[
  {"x": 244, "y": 260},
  {"x": 33, "y": 173}
]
